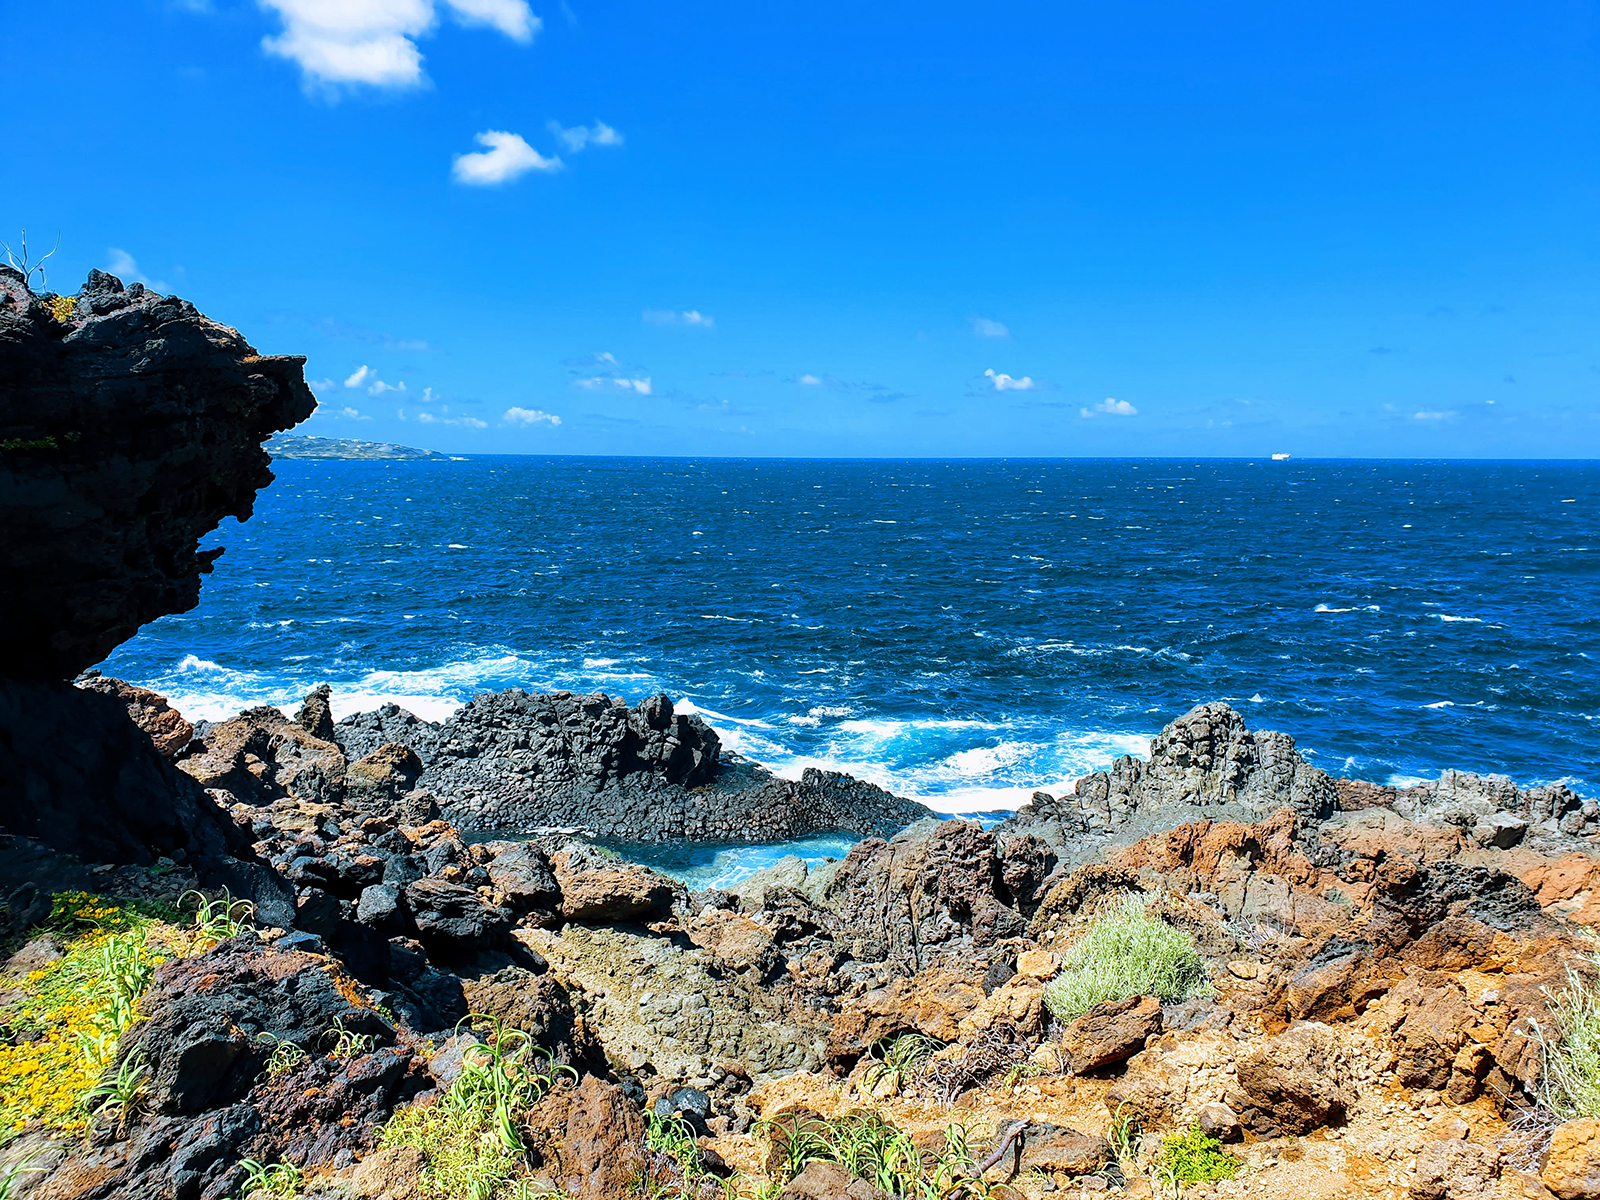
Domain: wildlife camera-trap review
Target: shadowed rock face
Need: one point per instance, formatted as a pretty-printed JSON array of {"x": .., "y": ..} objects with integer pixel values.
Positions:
[{"x": 128, "y": 432}]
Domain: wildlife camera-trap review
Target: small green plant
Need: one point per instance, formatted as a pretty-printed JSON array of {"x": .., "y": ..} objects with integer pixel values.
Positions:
[
  {"x": 347, "y": 1043},
  {"x": 1124, "y": 1135},
  {"x": 281, "y": 1179},
  {"x": 895, "y": 1062},
  {"x": 1195, "y": 1157},
  {"x": 1027, "y": 1069},
  {"x": 1125, "y": 953},
  {"x": 123, "y": 1094},
  {"x": 285, "y": 1057},
  {"x": 216, "y": 920},
  {"x": 1571, "y": 1049},
  {"x": 871, "y": 1148},
  {"x": 472, "y": 1135},
  {"x": 11, "y": 1176}
]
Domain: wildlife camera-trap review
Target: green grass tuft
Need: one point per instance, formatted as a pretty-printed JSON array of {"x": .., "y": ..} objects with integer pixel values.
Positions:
[
  {"x": 1126, "y": 953},
  {"x": 472, "y": 1135},
  {"x": 1571, "y": 1086}
]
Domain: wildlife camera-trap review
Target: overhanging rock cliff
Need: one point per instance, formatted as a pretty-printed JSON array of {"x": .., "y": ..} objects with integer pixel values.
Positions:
[
  {"x": 128, "y": 431},
  {"x": 130, "y": 426}
]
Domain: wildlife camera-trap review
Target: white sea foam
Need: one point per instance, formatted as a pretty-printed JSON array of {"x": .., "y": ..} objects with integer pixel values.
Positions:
[
  {"x": 1448, "y": 617},
  {"x": 1328, "y": 608},
  {"x": 595, "y": 664},
  {"x": 1441, "y": 704}
]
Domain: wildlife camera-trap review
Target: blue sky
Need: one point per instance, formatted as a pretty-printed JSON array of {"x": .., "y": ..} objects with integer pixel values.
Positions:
[{"x": 851, "y": 229}]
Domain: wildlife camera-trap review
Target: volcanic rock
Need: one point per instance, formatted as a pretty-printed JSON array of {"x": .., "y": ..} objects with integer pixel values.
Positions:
[
  {"x": 165, "y": 725},
  {"x": 132, "y": 429},
  {"x": 1572, "y": 1169},
  {"x": 260, "y": 756},
  {"x": 1110, "y": 1032}
]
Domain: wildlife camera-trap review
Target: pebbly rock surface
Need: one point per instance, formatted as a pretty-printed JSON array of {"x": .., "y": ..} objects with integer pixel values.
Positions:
[
  {"x": 519, "y": 762},
  {"x": 130, "y": 430}
]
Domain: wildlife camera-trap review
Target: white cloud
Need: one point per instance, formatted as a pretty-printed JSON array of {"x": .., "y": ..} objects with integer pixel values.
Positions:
[
  {"x": 691, "y": 318},
  {"x": 579, "y": 136},
  {"x": 1434, "y": 416},
  {"x": 359, "y": 377},
  {"x": 595, "y": 383},
  {"x": 428, "y": 418},
  {"x": 320, "y": 385},
  {"x": 508, "y": 158},
  {"x": 811, "y": 380},
  {"x": 529, "y": 416},
  {"x": 121, "y": 264},
  {"x": 1005, "y": 383},
  {"x": 984, "y": 327},
  {"x": 372, "y": 41},
  {"x": 351, "y": 413},
  {"x": 379, "y": 387},
  {"x": 1110, "y": 407}
]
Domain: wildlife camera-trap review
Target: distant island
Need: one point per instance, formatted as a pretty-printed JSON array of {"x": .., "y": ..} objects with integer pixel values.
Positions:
[{"x": 320, "y": 447}]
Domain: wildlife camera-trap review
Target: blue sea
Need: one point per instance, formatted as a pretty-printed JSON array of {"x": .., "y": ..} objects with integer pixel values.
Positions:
[{"x": 959, "y": 631}]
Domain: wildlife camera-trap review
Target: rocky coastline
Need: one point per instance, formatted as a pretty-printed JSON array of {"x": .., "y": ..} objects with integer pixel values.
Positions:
[{"x": 273, "y": 956}]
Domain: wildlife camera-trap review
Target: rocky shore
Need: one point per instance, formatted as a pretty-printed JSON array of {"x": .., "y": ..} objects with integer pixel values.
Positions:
[{"x": 275, "y": 957}]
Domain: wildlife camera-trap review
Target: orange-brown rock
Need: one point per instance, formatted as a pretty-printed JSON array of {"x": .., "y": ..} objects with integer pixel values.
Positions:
[
  {"x": 1110, "y": 1032},
  {"x": 1572, "y": 1169},
  {"x": 589, "y": 1138}
]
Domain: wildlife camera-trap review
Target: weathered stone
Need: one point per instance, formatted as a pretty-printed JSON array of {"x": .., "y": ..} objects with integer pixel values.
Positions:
[
  {"x": 590, "y": 1139},
  {"x": 1572, "y": 1168},
  {"x": 169, "y": 732},
  {"x": 1062, "y": 1151},
  {"x": 389, "y": 1175},
  {"x": 1110, "y": 1032},
  {"x": 1296, "y": 1082},
  {"x": 596, "y": 890},
  {"x": 452, "y": 919},
  {"x": 261, "y": 756},
  {"x": 380, "y": 780},
  {"x": 1220, "y": 1122},
  {"x": 829, "y": 1181},
  {"x": 1456, "y": 1169}
]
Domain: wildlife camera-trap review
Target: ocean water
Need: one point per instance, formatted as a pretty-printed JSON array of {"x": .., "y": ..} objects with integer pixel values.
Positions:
[{"x": 963, "y": 632}]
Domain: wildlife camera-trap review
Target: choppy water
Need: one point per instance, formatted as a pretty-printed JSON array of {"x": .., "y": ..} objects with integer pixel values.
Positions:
[{"x": 959, "y": 631}]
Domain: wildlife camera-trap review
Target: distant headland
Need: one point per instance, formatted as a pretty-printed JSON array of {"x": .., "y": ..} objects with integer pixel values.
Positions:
[{"x": 321, "y": 447}]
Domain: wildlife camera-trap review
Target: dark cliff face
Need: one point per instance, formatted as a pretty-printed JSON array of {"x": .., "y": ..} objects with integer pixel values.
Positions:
[{"x": 128, "y": 431}]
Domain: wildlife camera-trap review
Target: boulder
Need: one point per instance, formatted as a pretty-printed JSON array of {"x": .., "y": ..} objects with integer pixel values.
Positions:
[
  {"x": 1062, "y": 1151},
  {"x": 829, "y": 1181},
  {"x": 452, "y": 919},
  {"x": 167, "y": 729},
  {"x": 596, "y": 890},
  {"x": 389, "y": 1175},
  {"x": 260, "y": 756},
  {"x": 381, "y": 780},
  {"x": 1456, "y": 1169},
  {"x": 589, "y": 1138},
  {"x": 522, "y": 876},
  {"x": 1110, "y": 1032},
  {"x": 139, "y": 425},
  {"x": 1296, "y": 1081},
  {"x": 1572, "y": 1168}
]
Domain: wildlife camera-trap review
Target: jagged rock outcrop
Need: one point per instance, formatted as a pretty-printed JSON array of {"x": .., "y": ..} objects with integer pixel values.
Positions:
[
  {"x": 128, "y": 431},
  {"x": 518, "y": 762}
]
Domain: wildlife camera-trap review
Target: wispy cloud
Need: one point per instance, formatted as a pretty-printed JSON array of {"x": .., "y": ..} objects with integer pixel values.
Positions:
[
  {"x": 984, "y": 327},
  {"x": 359, "y": 377},
  {"x": 529, "y": 416},
  {"x": 321, "y": 385},
  {"x": 693, "y": 319},
  {"x": 1006, "y": 383},
  {"x": 373, "y": 42},
  {"x": 1445, "y": 415},
  {"x": 350, "y": 414},
  {"x": 595, "y": 383},
  {"x": 508, "y": 157},
  {"x": 810, "y": 380},
  {"x": 579, "y": 136},
  {"x": 121, "y": 264},
  {"x": 1110, "y": 408},
  {"x": 428, "y": 418}
]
